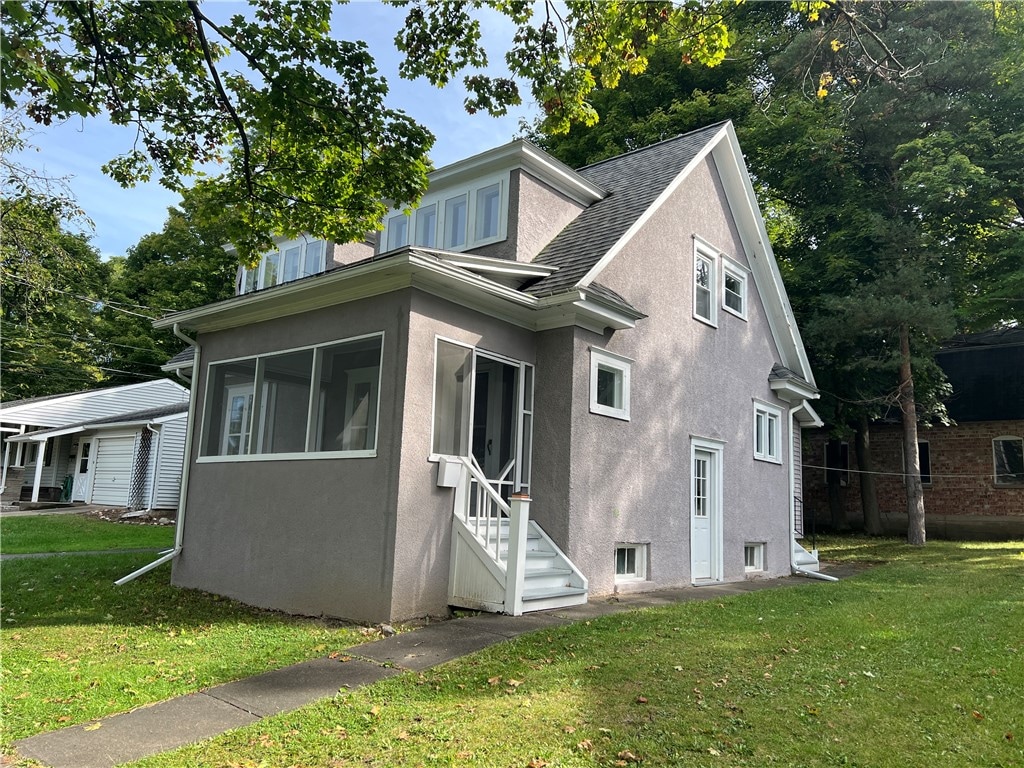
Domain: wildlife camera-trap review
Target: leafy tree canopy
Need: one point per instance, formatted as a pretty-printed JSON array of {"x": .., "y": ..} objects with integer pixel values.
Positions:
[{"x": 304, "y": 131}]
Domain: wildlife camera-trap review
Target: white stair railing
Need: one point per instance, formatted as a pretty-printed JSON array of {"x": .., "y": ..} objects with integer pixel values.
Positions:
[{"x": 483, "y": 509}]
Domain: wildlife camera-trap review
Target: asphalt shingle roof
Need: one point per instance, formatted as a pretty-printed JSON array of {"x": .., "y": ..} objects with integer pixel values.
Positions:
[{"x": 634, "y": 181}]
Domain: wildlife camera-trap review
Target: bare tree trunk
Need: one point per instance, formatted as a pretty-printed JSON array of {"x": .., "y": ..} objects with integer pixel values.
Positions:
[
  {"x": 915, "y": 492},
  {"x": 868, "y": 492}
]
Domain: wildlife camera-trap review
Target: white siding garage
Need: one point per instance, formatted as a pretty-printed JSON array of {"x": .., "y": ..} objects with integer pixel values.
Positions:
[{"x": 112, "y": 476}]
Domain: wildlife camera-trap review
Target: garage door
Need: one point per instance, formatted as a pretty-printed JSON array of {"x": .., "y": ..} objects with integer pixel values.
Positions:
[{"x": 112, "y": 477}]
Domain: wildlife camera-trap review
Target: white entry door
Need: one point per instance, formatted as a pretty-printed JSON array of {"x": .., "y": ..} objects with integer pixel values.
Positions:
[
  {"x": 705, "y": 513},
  {"x": 83, "y": 469}
]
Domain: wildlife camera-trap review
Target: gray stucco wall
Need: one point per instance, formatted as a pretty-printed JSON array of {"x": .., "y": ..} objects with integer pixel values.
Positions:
[
  {"x": 536, "y": 214},
  {"x": 310, "y": 536},
  {"x": 630, "y": 480},
  {"x": 424, "y": 523}
]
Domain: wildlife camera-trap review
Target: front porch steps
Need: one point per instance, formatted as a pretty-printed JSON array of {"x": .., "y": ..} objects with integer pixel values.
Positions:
[{"x": 549, "y": 577}]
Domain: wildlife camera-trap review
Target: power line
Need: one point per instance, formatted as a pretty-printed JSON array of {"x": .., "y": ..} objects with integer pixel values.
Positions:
[
  {"x": 26, "y": 352},
  {"x": 115, "y": 305},
  {"x": 73, "y": 337},
  {"x": 890, "y": 474}
]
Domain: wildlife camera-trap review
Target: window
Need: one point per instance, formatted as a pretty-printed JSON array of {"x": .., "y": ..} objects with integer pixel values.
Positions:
[
  {"x": 426, "y": 225},
  {"x": 767, "y": 433},
  {"x": 398, "y": 231},
  {"x": 455, "y": 221},
  {"x": 453, "y": 381},
  {"x": 925, "y": 460},
  {"x": 291, "y": 260},
  {"x": 315, "y": 400},
  {"x": 488, "y": 212},
  {"x": 753, "y": 557},
  {"x": 1008, "y": 453},
  {"x": 630, "y": 562},
  {"x": 703, "y": 287},
  {"x": 734, "y": 290},
  {"x": 837, "y": 463},
  {"x": 609, "y": 384}
]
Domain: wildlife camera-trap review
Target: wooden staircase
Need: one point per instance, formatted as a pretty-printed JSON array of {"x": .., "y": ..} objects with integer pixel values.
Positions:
[{"x": 501, "y": 560}]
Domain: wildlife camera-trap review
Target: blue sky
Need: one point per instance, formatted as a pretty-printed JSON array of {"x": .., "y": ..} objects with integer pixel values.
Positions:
[{"x": 78, "y": 148}]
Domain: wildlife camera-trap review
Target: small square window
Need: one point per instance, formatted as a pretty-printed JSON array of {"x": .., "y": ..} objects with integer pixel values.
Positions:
[
  {"x": 767, "y": 433},
  {"x": 609, "y": 384},
  {"x": 630, "y": 562},
  {"x": 734, "y": 291},
  {"x": 753, "y": 557}
]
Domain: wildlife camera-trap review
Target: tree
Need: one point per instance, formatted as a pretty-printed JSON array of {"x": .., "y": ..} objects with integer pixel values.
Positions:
[{"x": 305, "y": 133}]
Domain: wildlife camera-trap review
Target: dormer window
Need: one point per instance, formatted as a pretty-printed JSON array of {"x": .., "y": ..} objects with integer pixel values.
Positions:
[
  {"x": 426, "y": 225},
  {"x": 398, "y": 231},
  {"x": 289, "y": 261},
  {"x": 456, "y": 218}
]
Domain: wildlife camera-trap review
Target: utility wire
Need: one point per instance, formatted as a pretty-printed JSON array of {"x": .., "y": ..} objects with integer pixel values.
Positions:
[{"x": 890, "y": 474}]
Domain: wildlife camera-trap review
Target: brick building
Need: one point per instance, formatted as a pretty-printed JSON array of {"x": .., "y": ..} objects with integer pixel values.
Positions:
[{"x": 973, "y": 471}]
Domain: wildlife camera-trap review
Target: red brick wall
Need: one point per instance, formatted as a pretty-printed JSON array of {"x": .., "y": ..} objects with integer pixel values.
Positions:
[{"x": 961, "y": 465}]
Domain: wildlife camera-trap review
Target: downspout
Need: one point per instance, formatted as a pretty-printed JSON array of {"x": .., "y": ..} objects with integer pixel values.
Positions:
[
  {"x": 155, "y": 464},
  {"x": 796, "y": 569},
  {"x": 179, "y": 526}
]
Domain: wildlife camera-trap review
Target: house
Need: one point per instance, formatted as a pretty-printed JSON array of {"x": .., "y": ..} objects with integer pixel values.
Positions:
[
  {"x": 119, "y": 446},
  {"x": 972, "y": 470},
  {"x": 540, "y": 385}
]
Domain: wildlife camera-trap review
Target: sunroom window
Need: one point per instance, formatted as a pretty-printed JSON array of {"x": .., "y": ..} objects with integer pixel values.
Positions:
[
  {"x": 426, "y": 225},
  {"x": 398, "y": 231},
  {"x": 488, "y": 212},
  {"x": 455, "y": 221},
  {"x": 316, "y": 400}
]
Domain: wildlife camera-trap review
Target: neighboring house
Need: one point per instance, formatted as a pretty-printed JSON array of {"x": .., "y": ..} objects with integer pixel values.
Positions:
[
  {"x": 972, "y": 471},
  {"x": 615, "y": 342},
  {"x": 119, "y": 446}
]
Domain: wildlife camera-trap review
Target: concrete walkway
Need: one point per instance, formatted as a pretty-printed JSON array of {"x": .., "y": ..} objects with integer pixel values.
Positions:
[{"x": 187, "y": 719}]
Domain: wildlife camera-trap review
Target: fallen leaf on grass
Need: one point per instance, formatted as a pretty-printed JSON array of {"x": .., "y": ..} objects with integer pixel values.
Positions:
[
  {"x": 93, "y": 727},
  {"x": 514, "y": 683},
  {"x": 374, "y": 710},
  {"x": 494, "y": 680},
  {"x": 568, "y": 729},
  {"x": 536, "y": 763},
  {"x": 585, "y": 746},
  {"x": 402, "y": 736},
  {"x": 713, "y": 751},
  {"x": 977, "y": 715},
  {"x": 641, "y": 699},
  {"x": 628, "y": 757}
]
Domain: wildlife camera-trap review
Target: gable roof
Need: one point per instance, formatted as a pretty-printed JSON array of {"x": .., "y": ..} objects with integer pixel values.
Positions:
[
  {"x": 638, "y": 183},
  {"x": 634, "y": 182},
  {"x": 157, "y": 415},
  {"x": 91, "y": 404}
]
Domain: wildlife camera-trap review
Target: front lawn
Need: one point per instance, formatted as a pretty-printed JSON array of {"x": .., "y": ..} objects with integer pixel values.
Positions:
[
  {"x": 915, "y": 662},
  {"x": 78, "y": 533},
  {"x": 76, "y": 647}
]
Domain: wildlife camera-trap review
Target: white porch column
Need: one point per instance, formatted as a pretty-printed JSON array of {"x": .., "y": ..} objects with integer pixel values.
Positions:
[
  {"x": 7, "y": 462},
  {"x": 515, "y": 566},
  {"x": 40, "y": 461}
]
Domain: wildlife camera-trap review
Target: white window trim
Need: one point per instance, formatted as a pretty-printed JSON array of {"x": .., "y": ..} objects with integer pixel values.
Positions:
[
  {"x": 733, "y": 269},
  {"x": 758, "y": 566},
  {"x": 770, "y": 412},
  {"x": 995, "y": 476},
  {"x": 440, "y": 198},
  {"x": 204, "y": 427},
  {"x": 641, "y": 563},
  {"x": 602, "y": 357},
  {"x": 280, "y": 248}
]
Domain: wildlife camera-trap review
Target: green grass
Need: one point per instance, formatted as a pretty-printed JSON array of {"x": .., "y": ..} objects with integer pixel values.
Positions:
[
  {"x": 75, "y": 533},
  {"x": 75, "y": 647},
  {"x": 917, "y": 662}
]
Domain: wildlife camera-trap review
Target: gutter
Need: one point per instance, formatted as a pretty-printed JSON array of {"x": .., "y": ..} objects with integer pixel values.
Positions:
[{"x": 186, "y": 460}]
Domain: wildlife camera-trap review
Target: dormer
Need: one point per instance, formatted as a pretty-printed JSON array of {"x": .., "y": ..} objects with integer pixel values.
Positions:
[
  {"x": 291, "y": 259},
  {"x": 505, "y": 203}
]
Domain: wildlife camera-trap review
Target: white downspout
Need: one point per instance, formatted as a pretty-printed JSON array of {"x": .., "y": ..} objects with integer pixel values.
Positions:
[
  {"x": 179, "y": 525},
  {"x": 796, "y": 569}
]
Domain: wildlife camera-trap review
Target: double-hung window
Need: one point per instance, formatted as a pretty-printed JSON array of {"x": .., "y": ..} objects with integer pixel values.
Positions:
[
  {"x": 609, "y": 384},
  {"x": 704, "y": 304},
  {"x": 316, "y": 400},
  {"x": 767, "y": 433},
  {"x": 734, "y": 289},
  {"x": 1008, "y": 458}
]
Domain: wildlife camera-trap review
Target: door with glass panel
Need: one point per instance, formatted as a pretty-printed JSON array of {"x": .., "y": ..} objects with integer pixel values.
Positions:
[
  {"x": 483, "y": 407},
  {"x": 705, "y": 513}
]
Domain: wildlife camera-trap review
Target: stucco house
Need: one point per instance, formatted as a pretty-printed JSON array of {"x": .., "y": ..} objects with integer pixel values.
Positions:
[
  {"x": 120, "y": 446},
  {"x": 540, "y": 385},
  {"x": 972, "y": 470}
]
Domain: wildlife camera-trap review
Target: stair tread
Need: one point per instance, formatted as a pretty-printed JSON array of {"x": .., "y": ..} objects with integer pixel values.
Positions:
[{"x": 544, "y": 592}]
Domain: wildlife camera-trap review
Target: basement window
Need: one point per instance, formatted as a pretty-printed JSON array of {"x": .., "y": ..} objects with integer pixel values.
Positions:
[
  {"x": 630, "y": 562},
  {"x": 753, "y": 557}
]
